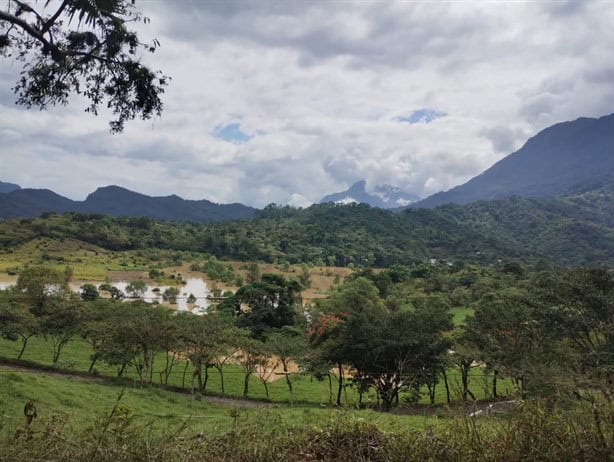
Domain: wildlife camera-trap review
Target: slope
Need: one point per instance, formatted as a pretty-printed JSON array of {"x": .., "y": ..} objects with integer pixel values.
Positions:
[{"x": 563, "y": 159}]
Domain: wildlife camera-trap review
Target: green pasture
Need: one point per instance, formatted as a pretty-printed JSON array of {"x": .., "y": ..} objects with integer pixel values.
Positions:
[
  {"x": 83, "y": 402},
  {"x": 307, "y": 390}
]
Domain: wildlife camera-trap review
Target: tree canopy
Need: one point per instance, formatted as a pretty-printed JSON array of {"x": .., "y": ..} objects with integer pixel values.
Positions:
[{"x": 82, "y": 47}]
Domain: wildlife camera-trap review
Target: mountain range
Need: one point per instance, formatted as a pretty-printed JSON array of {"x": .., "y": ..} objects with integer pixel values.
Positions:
[
  {"x": 383, "y": 196},
  {"x": 564, "y": 159},
  {"x": 117, "y": 201}
]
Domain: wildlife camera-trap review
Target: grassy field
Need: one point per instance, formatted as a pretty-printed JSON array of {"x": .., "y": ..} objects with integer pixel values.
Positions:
[
  {"x": 459, "y": 314},
  {"x": 84, "y": 420},
  {"x": 82, "y": 402},
  {"x": 76, "y": 356}
]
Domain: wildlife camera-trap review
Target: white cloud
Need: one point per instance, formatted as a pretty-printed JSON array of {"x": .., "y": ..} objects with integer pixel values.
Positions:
[{"x": 317, "y": 87}]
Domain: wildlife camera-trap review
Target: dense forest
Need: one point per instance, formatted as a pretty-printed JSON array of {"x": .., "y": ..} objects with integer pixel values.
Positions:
[{"x": 572, "y": 230}]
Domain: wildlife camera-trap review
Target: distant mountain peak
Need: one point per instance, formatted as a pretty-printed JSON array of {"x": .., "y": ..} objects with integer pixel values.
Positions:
[{"x": 382, "y": 196}]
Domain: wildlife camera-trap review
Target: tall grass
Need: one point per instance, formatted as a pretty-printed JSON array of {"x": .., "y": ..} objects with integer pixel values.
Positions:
[{"x": 534, "y": 433}]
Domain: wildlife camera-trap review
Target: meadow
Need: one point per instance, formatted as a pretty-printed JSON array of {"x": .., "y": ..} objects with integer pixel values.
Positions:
[{"x": 307, "y": 390}]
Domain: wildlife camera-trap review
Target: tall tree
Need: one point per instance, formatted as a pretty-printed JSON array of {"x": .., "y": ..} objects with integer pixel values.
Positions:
[
  {"x": 510, "y": 337},
  {"x": 339, "y": 339},
  {"x": 289, "y": 345},
  {"x": 204, "y": 340},
  {"x": 578, "y": 305},
  {"x": 16, "y": 321},
  {"x": 269, "y": 303},
  {"x": 61, "y": 322}
]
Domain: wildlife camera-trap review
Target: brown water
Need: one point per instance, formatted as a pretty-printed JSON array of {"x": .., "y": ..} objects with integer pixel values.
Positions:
[{"x": 195, "y": 286}]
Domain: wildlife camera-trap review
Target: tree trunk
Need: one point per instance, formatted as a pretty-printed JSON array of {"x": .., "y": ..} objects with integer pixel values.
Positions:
[
  {"x": 58, "y": 350},
  {"x": 120, "y": 371},
  {"x": 246, "y": 384},
  {"x": 464, "y": 368},
  {"x": 140, "y": 368},
  {"x": 94, "y": 360},
  {"x": 494, "y": 383},
  {"x": 185, "y": 371},
  {"x": 204, "y": 389},
  {"x": 431, "y": 389},
  {"x": 266, "y": 388},
  {"x": 170, "y": 363},
  {"x": 386, "y": 394},
  {"x": 445, "y": 382},
  {"x": 24, "y": 343},
  {"x": 221, "y": 371},
  {"x": 199, "y": 376},
  {"x": 340, "y": 368},
  {"x": 288, "y": 381}
]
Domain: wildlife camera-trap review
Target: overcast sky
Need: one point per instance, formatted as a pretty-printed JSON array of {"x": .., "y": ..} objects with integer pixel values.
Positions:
[{"x": 288, "y": 101}]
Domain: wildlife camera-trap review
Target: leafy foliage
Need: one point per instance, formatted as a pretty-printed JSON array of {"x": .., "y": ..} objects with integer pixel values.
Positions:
[
  {"x": 573, "y": 230},
  {"x": 82, "y": 47}
]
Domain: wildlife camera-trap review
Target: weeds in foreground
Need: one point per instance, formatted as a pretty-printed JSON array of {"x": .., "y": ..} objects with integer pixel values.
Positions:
[{"x": 533, "y": 433}]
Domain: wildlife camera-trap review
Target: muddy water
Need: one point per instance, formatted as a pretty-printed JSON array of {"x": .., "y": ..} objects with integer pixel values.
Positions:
[
  {"x": 195, "y": 286},
  {"x": 7, "y": 281}
]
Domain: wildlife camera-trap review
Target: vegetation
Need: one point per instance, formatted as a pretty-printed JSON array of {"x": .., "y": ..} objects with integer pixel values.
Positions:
[
  {"x": 436, "y": 336},
  {"x": 144, "y": 424},
  {"x": 388, "y": 334},
  {"x": 568, "y": 231},
  {"x": 82, "y": 47}
]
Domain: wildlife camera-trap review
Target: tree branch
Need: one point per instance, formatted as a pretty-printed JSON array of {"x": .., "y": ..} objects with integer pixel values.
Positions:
[
  {"x": 28, "y": 9},
  {"x": 26, "y": 27},
  {"x": 53, "y": 18}
]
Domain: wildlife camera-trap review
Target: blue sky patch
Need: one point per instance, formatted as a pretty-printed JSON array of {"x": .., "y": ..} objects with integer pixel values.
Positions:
[
  {"x": 421, "y": 115},
  {"x": 231, "y": 132}
]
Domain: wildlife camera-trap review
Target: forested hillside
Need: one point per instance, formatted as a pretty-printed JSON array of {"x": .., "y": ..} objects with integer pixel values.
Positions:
[{"x": 573, "y": 230}]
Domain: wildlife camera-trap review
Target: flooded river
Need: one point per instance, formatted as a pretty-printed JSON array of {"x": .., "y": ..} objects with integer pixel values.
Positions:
[{"x": 192, "y": 286}]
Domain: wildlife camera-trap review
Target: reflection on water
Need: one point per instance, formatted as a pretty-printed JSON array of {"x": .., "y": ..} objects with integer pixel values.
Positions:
[{"x": 194, "y": 286}]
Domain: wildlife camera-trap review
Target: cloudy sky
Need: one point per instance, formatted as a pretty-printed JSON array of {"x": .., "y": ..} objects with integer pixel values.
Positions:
[{"x": 288, "y": 101}]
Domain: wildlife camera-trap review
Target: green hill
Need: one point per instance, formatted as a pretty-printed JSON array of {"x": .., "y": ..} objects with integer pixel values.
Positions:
[{"x": 576, "y": 229}]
